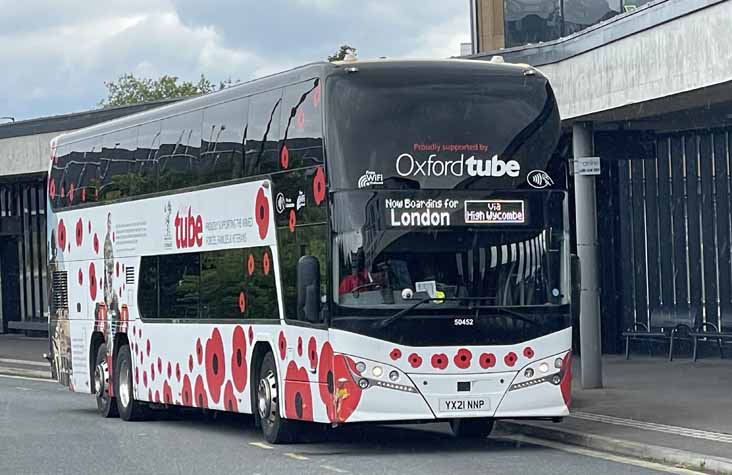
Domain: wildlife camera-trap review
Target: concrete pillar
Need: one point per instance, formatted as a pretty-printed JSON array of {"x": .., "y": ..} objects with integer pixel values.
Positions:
[{"x": 587, "y": 249}]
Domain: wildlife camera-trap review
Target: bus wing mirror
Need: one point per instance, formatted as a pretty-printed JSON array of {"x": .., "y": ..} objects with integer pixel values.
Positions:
[
  {"x": 308, "y": 289},
  {"x": 576, "y": 271}
]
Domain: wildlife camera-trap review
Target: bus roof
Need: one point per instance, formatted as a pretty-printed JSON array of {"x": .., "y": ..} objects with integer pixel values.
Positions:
[{"x": 320, "y": 69}]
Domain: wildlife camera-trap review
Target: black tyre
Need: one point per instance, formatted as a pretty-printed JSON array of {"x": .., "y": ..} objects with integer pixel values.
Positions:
[
  {"x": 129, "y": 408},
  {"x": 471, "y": 428},
  {"x": 106, "y": 404},
  {"x": 275, "y": 428}
]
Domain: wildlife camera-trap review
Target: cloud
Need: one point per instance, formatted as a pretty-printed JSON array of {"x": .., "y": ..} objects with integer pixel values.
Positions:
[{"x": 57, "y": 62}]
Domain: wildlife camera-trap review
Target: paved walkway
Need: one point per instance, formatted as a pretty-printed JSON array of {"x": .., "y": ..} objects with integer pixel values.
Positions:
[
  {"x": 654, "y": 408},
  {"x": 23, "y": 356}
]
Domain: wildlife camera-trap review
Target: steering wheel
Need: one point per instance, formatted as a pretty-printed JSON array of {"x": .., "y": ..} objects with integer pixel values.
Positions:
[{"x": 368, "y": 285}]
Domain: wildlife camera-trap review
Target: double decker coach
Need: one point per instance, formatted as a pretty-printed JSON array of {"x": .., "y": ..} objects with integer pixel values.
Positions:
[{"x": 351, "y": 242}]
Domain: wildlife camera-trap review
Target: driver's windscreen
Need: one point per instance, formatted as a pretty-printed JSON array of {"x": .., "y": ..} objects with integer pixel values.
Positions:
[{"x": 377, "y": 265}]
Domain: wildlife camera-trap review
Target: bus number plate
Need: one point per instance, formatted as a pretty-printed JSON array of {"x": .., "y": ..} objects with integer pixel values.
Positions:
[{"x": 465, "y": 405}]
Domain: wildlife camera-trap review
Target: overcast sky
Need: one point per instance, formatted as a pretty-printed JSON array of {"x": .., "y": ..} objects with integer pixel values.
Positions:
[{"x": 56, "y": 54}]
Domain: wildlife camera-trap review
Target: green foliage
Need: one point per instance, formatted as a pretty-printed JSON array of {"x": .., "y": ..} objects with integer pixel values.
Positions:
[
  {"x": 341, "y": 53},
  {"x": 128, "y": 89}
]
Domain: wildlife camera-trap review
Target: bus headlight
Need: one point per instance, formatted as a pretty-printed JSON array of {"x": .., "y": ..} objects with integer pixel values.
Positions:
[
  {"x": 529, "y": 373},
  {"x": 361, "y": 367},
  {"x": 377, "y": 371},
  {"x": 558, "y": 363},
  {"x": 393, "y": 375},
  {"x": 544, "y": 367}
]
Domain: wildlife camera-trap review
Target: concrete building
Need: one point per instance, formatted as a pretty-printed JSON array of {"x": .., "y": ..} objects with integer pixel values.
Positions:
[
  {"x": 500, "y": 24},
  {"x": 24, "y": 153},
  {"x": 649, "y": 91}
]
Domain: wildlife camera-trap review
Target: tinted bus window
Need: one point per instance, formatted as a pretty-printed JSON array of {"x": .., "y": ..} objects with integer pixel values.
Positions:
[
  {"x": 303, "y": 123},
  {"x": 180, "y": 143},
  {"x": 81, "y": 172},
  {"x": 216, "y": 285},
  {"x": 263, "y": 134},
  {"x": 146, "y": 159},
  {"x": 178, "y": 285},
  {"x": 117, "y": 160},
  {"x": 222, "y": 143}
]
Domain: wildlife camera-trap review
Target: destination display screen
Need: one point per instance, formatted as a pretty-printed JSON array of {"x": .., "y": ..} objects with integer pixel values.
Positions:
[
  {"x": 495, "y": 212},
  {"x": 447, "y": 212}
]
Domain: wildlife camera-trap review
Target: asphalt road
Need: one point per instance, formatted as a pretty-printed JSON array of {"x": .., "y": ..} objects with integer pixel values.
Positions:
[{"x": 46, "y": 429}]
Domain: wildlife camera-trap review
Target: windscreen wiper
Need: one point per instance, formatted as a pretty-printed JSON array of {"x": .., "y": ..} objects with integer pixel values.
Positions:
[{"x": 388, "y": 321}]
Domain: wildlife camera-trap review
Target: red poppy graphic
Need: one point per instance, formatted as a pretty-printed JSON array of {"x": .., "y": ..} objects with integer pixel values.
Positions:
[
  {"x": 61, "y": 235},
  {"x": 487, "y": 360},
  {"x": 529, "y": 352},
  {"x": 265, "y": 263},
  {"x": 71, "y": 193},
  {"x": 242, "y": 302},
  {"x": 566, "y": 385},
  {"x": 299, "y": 346},
  {"x": 395, "y": 354},
  {"x": 250, "y": 264},
  {"x": 510, "y": 359},
  {"x": 319, "y": 186},
  {"x": 262, "y": 213},
  {"x": 439, "y": 361},
  {"x": 190, "y": 362},
  {"x": 79, "y": 232},
  {"x": 81, "y": 277},
  {"x": 462, "y": 358},
  {"x": 52, "y": 189},
  {"x": 251, "y": 335},
  {"x": 326, "y": 378},
  {"x": 215, "y": 364},
  {"x": 148, "y": 348},
  {"x": 298, "y": 398},
  {"x": 199, "y": 393},
  {"x": 137, "y": 375},
  {"x": 92, "y": 281},
  {"x": 313, "y": 352},
  {"x": 415, "y": 360},
  {"x": 199, "y": 351},
  {"x": 170, "y": 370},
  {"x": 230, "y": 402},
  {"x": 152, "y": 371},
  {"x": 167, "y": 393},
  {"x": 144, "y": 378},
  {"x": 186, "y": 393},
  {"x": 157, "y": 396},
  {"x": 282, "y": 344},
  {"x": 293, "y": 221},
  {"x": 316, "y": 96},
  {"x": 300, "y": 118},
  {"x": 160, "y": 366},
  {"x": 177, "y": 371},
  {"x": 116, "y": 267},
  {"x": 149, "y": 395},
  {"x": 348, "y": 392},
  {"x": 285, "y": 157},
  {"x": 239, "y": 359},
  {"x": 96, "y": 243}
]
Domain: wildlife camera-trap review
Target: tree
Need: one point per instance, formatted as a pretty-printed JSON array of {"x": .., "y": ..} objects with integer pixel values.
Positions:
[
  {"x": 342, "y": 52},
  {"x": 128, "y": 89}
]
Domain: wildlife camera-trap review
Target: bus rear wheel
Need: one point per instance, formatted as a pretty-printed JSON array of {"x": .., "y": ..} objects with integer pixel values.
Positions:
[
  {"x": 472, "y": 428},
  {"x": 275, "y": 428},
  {"x": 129, "y": 408},
  {"x": 105, "y": 401}
]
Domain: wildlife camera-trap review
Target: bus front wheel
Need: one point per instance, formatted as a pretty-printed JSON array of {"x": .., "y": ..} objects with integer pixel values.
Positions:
[
  {"x": 471, "y": 428},
  {"x": 276, "y": 429}
]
